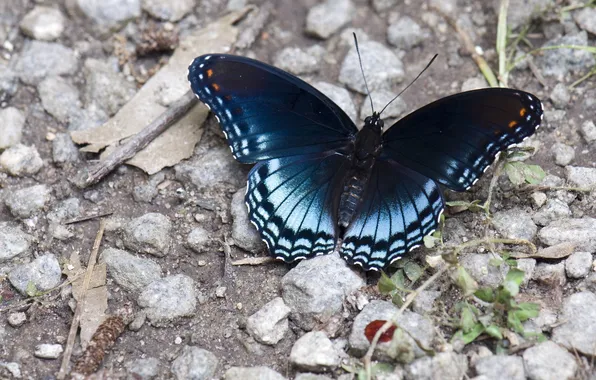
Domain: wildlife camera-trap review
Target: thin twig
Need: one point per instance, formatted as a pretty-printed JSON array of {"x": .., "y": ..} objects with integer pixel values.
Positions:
[
  {"x": 88, "y": 217},
  {"x": 81, "y": 303},
  {"x": 502, "y": 42},
  {"x": 493, "y": 183},
  {"x": 126, "y": 151},
  {"x": 529, "y": 187},
  {"x": 254, "y": 261}
]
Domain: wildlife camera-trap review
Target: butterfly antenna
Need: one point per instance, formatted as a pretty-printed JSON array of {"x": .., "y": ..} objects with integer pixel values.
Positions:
[
  {"x": 362, "y": 70},
  {"x": 408, "y": 86}
]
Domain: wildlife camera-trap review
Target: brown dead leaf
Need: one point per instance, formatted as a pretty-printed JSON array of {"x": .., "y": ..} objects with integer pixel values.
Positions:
[{"x": 558, "y": 251}]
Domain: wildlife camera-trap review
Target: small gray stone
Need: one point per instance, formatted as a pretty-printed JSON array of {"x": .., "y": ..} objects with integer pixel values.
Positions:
[
  {"x": 448, "y": 7},
  {"x": 13, "y": 121},
  {"x": 553, "y": 210},
  {"x": 9, "y": 83},
  {"x": 474, "y": 83},
  {"x": 66, "y": 209},
  {"x": 548, "y": 360},
  {"x": 563, "y": 153},
  {"x": 581, "y": 176},
  {"x": 13, "y": 368},
  {"x": 252, "y": 373},
  {"x": 382, "y": 67},
  {"x": 20, "y": 160},
  {"x": 538, "y": 198},
  {"x": 143, "y": 369},
  {"x": 194, "y": 363},
  {"x": 560, "y": 62},
  {"x": 64, "y": 149},
  {"x": 235, "y": 5},
  {"x": 314, "y": 352},
  {"x": 405, "y": 33},
  {"x": 87, "y": 118},
  {"x": 105, "y": 88},
  {"x": 579, "y": 330},
  {"x": 480, "y": 268},
  {"x": 554, "y": 118},
  {"x": 527, "y": 266},
  {"x": 60, "y": 232},
  {"x": 43, "y": 23},
  {"x": 314, "y": 376},
  {"x": 169, "y": 298},
  {"x": 578, "y": 265},
  {"x": 40, "y": 59},
  {"x": 550, "y": 274},
  {"x": 521, "y": 12},
  {"x": 444, "y": 366},
  {"x": 48, "y": 351},
  {"x": 586, "y": 19},
  {"x": 17, "y": 319},
  {"x": 270, "y": 323},
  {"x": 339, "y": 96},
  {"x": 244, "y": 233},
  {"x": 25, "y": 202},
  {"x": 515, "y": 224},
  {"x": 581, "y": 231},
  {"x": 328, "y": 17},
  {"x": 298, "y": 61},
  {"x": 220, "y": 291},
  {"x": 169, "y": 10},
  {"x": 498, "y": 367},
  {"x": 210, "y": 168},
  {"x": 149, "y": 233},
  {"x": 588, "y": 130},
  {"x": 198, "y": 239},
  {"x": 145, "y": 192},
  {"x": 560, "y": 96},
  {"x": 316, "y": 289},
  {"x": 383, "y": 5},
  {"x": 108, "y": 15},
  {"x": 381, "y": 98},
  {"x": 423, "y": 303},
  {"x": 41, "y": 274},
  {"x": 13, "y": 242},
  {"x": 131, "y": 272},
  {"x": 59, "y": 97}
]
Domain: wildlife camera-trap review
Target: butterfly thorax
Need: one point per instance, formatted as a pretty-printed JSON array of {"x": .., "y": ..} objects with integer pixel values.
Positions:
[{"x": 366, "y": 150}]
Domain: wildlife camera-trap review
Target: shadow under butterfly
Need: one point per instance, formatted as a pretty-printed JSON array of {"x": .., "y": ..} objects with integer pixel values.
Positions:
[{"x": 320, "y": 184}]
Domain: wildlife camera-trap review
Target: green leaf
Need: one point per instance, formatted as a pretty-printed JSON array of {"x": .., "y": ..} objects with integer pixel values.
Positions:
[
  {"x": 514, "y": 172},
  {"x": 534, "y": 174},
  {"x": 515, "y": 275},
  {"x": 385, "y": 284},
  {"x": 485, "y": 294},
  {"x": 399, "y": 279},
  {"x": 474, "y": 333},
  {"x": 467, "y": 320},
  {"x": 397, "y": 299},
  {"x": 474, "y": 206},
  {"x": 464, "y": 281},
  {"x": 494, "y": 331},
  {"x": 430, "y": 241},
  {"x": 495, "y": 262},
  {"x": 31, "y": 289},
  {"x": 527, "y": 310},
  {"x": 520, "y": 172},
  {"x": 413, "y": 271},
  {"x": 381, "y": 368},
  {"x": 514, "y": 323}
]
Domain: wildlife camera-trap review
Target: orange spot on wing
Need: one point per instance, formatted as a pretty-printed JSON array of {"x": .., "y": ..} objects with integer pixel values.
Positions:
[
  {"x": 371, "y": 330},
  {"x": 238, "y": 111},
  {"x": 209, "y": 73},
  {"x": 522, "y": 112},
  {"x": 512, "y": 123},
  {"x": 228, "y": 97},
  {"x": 215, "y": 86}
]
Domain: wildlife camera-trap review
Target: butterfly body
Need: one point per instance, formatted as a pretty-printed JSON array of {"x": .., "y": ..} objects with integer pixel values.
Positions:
[{"x": 319, "y": 184}]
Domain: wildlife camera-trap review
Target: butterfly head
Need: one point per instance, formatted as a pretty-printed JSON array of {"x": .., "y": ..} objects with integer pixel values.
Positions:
[{"x": 374, "y": 122}]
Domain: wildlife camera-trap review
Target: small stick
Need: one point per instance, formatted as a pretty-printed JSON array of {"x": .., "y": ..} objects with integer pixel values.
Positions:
[
  {"x": 254, "y": 261},
  {"x": 81, "y": 304},
  {"x": 126, "y": 151},
  {"x": 88, "y": 217}
]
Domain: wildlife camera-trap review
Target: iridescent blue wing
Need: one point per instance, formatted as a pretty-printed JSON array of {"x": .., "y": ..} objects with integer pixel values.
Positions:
[
  {"x": 400, "y": 207},
  {"x": 265, "y": 112},
  {"x": 455, "y": 139},
  {"x": 293, "y": 203}
]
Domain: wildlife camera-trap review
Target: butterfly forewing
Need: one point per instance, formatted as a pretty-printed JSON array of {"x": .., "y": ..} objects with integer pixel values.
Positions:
[{"x": 454, "y": 139}]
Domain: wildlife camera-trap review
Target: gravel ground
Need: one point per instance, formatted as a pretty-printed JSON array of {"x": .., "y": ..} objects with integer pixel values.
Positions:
[{"x": 69, "y": 66}]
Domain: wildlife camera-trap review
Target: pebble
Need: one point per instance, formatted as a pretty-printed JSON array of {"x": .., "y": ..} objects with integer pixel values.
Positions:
[
  {"x": 13, "y": 242},
  {"x": 521, "y": 12},
  {"x": 48, "y": 351},
  {"x": 315, "y": 289},
  {"x": 220, "y": 291},
  {"x": 405, "y": 33},
  {"x": 298, "y": 61},
  {"x": 150, "y": 233},
  {"x": 143, "y": 369},
  {"x": 8, "y": 84},
  {"x": 560, "y": 96},
  {"x": 382, "y": 67},
  {"x": 20, "y": 160},
  {"x": 448, "y": 7},
  {"x": 588, "y": 130},
  {"x": 39, "y": 60},
  {"x": 563, "y": 153},
  {"x": 252, "y": 373},
  {"x": 43, "y": 23},
  {"x": 145, "y": 192},
  {"x": 13, "y": 121},
  {"x": 498, "y": 367},
  {"x": 17, "y": 319},
  {"x": 444, "y": 365},
  {"x": 13, "y": 368},
  {"x": 480, "y": 268},
  {"x": 578, "y": 265},
  {"x": 581, "y": 231},
  {"x": 539, "y": 198},
  {"x": 59, "y": 97},
  {"x": 586, "y": 19},
  {"x": 25, "y": 202},
  {"x": 555, "y": 118},
  {"x": 328, "y": 17},
  {"x": 130, "y": 272},
  {"x": 43, "y": 273},
  {"x": 108, "y": 15},
  {"x": 579, "y": 330},
  {"x": 64, "y": 149},
  {"x": 474, "y": 83},
  {"x": 515, "y": 224},
  {"x": 383, "y": 5},
  {"x": 339, "y": 96},
  {"x": 553, "y": 209},
  {"x": 194, "y": 363},
  {"x": 315, "y": 352},
  {"x": 87, "y": 118},
  {"x": 244, "y": 233},
  {"x": 548, "y": 360},
  {"x": 561, "y": 62},
  {"x": 314, "y": 376},
  {"x": 423, "y": 303},
  {"x": 527, "y": 266},
  {"x": 552, "y": 275},
  {"x": 169, "y": 10},
  {"x": 270, "y": 323},
  {"x": 105, "y": 88},
  {"x": 67, "y": 209},
  {"x": 198, "y": 239},
  {"x": 169, "y": 298},
  {"x": 581, "y": 176},
  {"x": 235, "y": 5},
  {"x": 381, "y": 98},
  {"x": 211, "y": 168}
]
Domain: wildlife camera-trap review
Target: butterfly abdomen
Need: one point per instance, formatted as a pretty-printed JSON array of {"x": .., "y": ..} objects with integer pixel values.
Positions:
[{"x": 351, "y": 196}]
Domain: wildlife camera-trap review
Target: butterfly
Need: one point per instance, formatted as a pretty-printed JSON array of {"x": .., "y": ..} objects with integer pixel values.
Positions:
[{"x": 320, "y": 184}]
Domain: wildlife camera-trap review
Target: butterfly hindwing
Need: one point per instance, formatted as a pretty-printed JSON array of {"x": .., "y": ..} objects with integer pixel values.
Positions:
[
  {"x": 265, "y": 112},
  {"x": 399, "y": 208},
  {"x": 454, "y": 139},
  {"x": 293, "y": 202}
]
